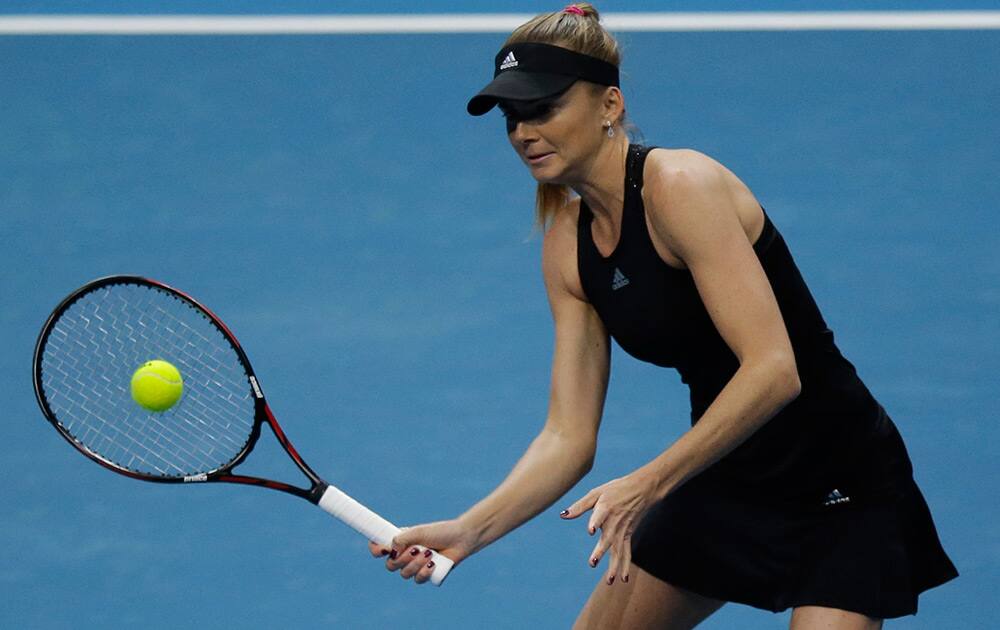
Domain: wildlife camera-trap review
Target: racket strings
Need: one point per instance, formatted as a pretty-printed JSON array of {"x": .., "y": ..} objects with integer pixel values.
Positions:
[{"x": 88, "y": 361}]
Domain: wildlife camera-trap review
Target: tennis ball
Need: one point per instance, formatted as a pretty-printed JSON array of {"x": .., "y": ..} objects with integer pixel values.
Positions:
[{"x": 157, "y": 385}]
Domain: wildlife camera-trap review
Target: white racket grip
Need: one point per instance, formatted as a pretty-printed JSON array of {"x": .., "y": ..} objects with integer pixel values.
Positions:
[{"x": 374, "y": 527}]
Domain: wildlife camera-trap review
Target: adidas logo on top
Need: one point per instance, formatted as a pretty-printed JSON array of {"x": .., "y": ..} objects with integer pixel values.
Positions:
[
  {"x": 619, "y": 280},
  {"x": 509, "y": 61}
]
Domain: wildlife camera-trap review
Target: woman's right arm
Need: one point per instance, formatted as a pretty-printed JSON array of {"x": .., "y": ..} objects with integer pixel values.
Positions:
[{"x": 563, "y": 452}]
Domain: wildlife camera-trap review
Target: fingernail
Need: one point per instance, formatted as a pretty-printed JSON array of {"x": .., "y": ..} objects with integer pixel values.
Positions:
[
  {"x": 564, "y": 513},
  {"x": 414, "y": 552},
  {"x": 393, "y": 554},
  {"x": 384, "y": 552},
  {"x": 611, "y": 580},
  {"x": 430, "y": 565},
  {"x": 591, "y": 530},
  {"x": 428, "y": 553},
  {"x": 625, "y": 579},
  {"x": 593, "y": 562}
]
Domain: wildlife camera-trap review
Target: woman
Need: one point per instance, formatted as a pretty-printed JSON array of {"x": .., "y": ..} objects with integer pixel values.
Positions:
[{"x": 792, "y": 488}]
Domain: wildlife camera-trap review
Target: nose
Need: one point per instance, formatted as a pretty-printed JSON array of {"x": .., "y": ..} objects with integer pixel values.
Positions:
[{"x": 520, "y": 132}]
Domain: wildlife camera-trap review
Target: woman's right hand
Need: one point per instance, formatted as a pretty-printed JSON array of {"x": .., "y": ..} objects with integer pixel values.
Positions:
[{"x": 449, "y": 538}]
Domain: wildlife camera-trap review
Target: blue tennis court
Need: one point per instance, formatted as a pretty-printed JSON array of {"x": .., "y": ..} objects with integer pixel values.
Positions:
[{"x": 371, "y": 246}]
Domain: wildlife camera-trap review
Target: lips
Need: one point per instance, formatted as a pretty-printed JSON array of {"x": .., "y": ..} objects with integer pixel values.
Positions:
[{"x": 537, "y": 157}]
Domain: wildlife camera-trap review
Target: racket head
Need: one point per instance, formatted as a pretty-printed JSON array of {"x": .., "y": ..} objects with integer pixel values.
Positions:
[{"x": 94, "y": 341}]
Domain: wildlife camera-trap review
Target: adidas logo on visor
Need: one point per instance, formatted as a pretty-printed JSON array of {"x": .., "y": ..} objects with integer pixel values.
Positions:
[{"x": 509, "y": 61}]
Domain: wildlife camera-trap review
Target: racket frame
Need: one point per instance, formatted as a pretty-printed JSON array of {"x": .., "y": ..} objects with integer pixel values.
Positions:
[
  {"x": 262, "y": 411},
  {"x": 328, "y": 497}
]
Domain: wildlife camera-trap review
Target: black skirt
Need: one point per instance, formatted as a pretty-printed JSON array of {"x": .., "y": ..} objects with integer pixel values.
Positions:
[{"x": 872, "y": 555}]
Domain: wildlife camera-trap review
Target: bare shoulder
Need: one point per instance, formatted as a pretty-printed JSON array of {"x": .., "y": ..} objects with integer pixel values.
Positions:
[
  {"x": 559, "y": 264},
  {"x": 679, "y": 175},
  {"x": 688, "y": 195},
  {"x": 665, "y": 165}
]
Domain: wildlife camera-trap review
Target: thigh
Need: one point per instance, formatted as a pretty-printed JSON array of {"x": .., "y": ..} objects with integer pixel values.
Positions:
[
  {"x": 645, "y": 602},
  {"x": 820, "y": 618}
]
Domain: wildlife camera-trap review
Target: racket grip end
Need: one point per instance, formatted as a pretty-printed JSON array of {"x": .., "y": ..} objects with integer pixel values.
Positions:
[
  {"x": 374, "y": 527},
  {"x": 442, "y": 566}
]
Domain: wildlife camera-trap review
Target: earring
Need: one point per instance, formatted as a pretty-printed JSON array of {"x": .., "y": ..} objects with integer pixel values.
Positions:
[{"x": 611, "y": 128}]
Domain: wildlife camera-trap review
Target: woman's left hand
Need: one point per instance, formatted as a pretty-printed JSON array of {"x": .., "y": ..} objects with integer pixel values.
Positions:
[{"x": 617, "y": 506}]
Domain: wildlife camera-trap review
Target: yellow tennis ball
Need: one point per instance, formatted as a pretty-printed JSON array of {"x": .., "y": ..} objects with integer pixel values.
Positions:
[{"x": 157, "y": 385}]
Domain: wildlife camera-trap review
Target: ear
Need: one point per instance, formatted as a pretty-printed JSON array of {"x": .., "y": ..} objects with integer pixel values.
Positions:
[{"x": 613, "y": 104}]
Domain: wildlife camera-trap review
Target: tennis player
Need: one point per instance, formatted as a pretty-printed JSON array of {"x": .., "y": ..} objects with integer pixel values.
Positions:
[{"x": 793, "y": 488}]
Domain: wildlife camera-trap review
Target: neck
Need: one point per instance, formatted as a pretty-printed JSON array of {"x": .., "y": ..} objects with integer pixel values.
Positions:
[{"x": 602, "y": 185}]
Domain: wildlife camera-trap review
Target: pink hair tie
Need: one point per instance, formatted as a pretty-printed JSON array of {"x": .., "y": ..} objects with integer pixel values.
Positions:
[{"x": 572, "y": 8}]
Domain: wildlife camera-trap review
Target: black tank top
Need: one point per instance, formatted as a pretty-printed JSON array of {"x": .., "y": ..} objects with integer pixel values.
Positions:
[{"x": 821, "y": 440}]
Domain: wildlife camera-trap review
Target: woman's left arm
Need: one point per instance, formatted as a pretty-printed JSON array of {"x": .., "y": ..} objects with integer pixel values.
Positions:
[{"x": 691, "y": 203}]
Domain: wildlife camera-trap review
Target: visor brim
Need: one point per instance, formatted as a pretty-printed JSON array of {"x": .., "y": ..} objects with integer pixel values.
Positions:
[{"x": 518, "y": 86}]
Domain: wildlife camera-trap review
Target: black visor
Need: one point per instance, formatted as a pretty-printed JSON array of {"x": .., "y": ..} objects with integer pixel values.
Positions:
[{"x": 526, "y": 72}]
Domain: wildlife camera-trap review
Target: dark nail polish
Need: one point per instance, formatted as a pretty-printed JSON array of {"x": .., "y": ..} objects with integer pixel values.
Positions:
[
  {"x": 430, "y": 565},
  {"x": 625, "y": 579},
  {"x": 393, "y": 554},
  {"x": 591, "y": 530},
  {"x": 414, "y": 551},
  {"x": 428, "y": 553},
  {"x": 564, "y": 513},
  {"x": 611, "y": 580},
  {"x": 383, "y": 552},
  {"x": 593, "y": 562}
]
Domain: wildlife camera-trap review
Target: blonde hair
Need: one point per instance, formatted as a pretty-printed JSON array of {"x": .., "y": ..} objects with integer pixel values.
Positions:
[{"x": 579, "y": 33}]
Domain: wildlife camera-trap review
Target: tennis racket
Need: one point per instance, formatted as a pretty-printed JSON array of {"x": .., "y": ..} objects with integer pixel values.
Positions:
[{"x": 84, "y": 360}]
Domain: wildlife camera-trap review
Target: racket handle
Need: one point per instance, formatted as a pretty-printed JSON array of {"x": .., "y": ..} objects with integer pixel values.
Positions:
[{"x": 374, "y": 527}]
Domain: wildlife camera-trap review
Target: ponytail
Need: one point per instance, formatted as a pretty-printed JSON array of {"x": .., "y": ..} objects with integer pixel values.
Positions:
[{"x": 549, "y": 200}]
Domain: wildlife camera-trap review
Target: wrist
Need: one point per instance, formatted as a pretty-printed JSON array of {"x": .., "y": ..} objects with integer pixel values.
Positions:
[
  {"x": 658, "y": 478},
  {"x": 474, "y": 531}
]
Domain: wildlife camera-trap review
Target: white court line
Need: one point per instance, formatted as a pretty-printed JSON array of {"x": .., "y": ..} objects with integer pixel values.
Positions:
[{"x": 485, "y": 23}]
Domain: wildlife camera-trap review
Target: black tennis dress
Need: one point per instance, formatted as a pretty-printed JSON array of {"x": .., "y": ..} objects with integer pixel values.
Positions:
[{"x": 819, "y": 506}]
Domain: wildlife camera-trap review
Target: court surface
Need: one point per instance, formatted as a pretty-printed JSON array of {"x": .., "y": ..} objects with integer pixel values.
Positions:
[{"x": 371, "y": 246}]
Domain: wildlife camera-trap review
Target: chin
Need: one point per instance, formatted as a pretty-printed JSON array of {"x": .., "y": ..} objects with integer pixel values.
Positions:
[
  {"x": 547, "y": 180},
  {"x": 546, "y": 173}
]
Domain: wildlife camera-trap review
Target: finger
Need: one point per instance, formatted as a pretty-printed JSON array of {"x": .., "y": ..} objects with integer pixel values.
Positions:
[
  {"x": 400, "y": 544},
  {"x": 415, "y": 560},
  {"x": 599, "y": 549},
  {"x": 597, "y": 519},
  {"x": 609, "y": 577},
  {"x": 425, "y": 572},
  {"x": 625, "y": 562},
  {"x": 621, "y": 559},
  {"x": 377, "y": 550},
  {"x": 581, "y": 506},
  {"x": 407, "y": 537},
  {"x": 397, "y": 560},
  {"x": 392, "y": 562},
  {"x": 400, "y": 558},
  {"x": 612, "y": 573}
]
